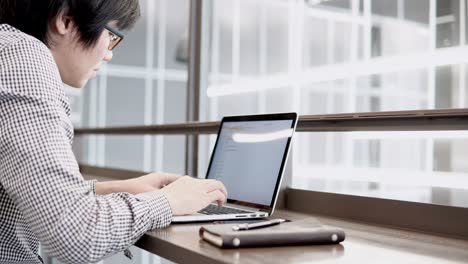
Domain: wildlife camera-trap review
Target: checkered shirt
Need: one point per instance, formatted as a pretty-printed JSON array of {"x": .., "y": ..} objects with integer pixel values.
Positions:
[{"x": 43, "y": 197}]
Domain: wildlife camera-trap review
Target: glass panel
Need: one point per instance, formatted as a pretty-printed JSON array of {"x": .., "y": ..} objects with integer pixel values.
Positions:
[
  {"x": 385, "y": 8},
  {"x": 175, "y": 103},
  {"x": 125, "y": 152},
  {"x": 124, "y": 98},
  {"x": 426, "y": 167},
  {"x": 173, "y": 156},
  {"x": 416, "y": 10},
  {"x": 380, "y": 48},
  {"x": 319, "y": 57},
  {"x": 176, "y": 32},
  {"x": 132, "y": 50}
]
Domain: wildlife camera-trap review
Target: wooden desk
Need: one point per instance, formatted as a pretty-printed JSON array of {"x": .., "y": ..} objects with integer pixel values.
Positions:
[{"x": 363, "y": 244}]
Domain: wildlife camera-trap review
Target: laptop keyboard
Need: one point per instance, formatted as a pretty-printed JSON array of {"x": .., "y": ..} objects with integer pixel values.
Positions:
[{"x": 216, "y": 210}]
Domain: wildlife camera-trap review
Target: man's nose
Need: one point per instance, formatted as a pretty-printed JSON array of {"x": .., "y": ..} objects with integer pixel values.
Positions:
[{"x": 108, "y": 56}]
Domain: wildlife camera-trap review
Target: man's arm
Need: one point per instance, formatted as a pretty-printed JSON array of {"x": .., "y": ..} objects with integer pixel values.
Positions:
[
  {"x": 40, "y": 173},
  {"x": 42, "y": 177},
  {"x": 146, "y": 183}
]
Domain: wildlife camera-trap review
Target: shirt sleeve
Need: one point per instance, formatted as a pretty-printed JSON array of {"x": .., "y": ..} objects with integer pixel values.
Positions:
[{"x": 39, "y": 172}]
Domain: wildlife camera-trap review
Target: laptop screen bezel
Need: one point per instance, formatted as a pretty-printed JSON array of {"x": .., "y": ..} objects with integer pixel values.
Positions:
[{"x": 252, "y": 118}]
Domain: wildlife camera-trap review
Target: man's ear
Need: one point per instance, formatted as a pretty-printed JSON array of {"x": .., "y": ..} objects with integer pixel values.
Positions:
[{"x": 62, "y": 24}]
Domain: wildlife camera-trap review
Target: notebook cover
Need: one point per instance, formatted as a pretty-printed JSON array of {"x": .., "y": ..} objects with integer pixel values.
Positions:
[{"x": 290, "y": 233}]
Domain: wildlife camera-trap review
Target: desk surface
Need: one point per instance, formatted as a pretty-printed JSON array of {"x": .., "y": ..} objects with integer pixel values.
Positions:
[{"x": 364, "y": 244}]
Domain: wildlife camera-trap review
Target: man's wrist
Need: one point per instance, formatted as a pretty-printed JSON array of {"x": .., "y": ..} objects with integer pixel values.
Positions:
[{"x": 108, "y": 187}]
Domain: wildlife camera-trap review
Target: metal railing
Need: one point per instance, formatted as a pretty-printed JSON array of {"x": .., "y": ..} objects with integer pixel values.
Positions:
[{"x": 416, "y": 120}]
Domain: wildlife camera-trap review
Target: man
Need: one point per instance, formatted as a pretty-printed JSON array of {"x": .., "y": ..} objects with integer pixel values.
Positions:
[{"x": 43, "y": 197}]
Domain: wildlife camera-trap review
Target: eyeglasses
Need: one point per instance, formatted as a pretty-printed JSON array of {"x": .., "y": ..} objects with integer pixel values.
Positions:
[{"x": 115, "y": 37}]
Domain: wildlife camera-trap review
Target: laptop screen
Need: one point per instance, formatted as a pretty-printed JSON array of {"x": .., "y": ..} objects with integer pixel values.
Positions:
[{"x": 248, "y": 158}]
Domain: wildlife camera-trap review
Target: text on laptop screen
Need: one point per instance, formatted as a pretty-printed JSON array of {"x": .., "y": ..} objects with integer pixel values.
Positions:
[{"x": 248, "y": 158}]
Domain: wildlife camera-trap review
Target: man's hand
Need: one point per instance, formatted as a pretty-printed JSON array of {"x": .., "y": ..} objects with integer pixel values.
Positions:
[
  {"x": 145, "y": 183},
  {"x": 149, "y": 182},
  {"x": 188, "y": 195}
]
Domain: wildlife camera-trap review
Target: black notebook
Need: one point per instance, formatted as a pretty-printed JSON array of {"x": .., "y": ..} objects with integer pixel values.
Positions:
[{"x": 289, "y": 233}]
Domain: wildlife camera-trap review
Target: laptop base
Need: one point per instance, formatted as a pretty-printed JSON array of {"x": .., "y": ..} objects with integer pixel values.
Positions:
[{"x": 209, "y": 218}]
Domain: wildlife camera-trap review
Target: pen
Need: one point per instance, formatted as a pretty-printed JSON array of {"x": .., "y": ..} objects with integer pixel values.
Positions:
[{"x": 258, "y": 225}]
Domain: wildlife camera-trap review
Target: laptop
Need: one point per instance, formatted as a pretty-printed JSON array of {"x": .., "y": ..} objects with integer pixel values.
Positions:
[{"x": 249, "y": 157}]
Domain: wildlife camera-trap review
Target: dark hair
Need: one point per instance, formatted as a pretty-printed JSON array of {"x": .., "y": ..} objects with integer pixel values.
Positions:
[{"x": 90, "y": 16}]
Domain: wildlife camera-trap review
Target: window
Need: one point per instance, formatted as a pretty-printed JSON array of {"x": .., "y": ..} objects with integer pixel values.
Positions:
[{"x": 324, "y": 57}]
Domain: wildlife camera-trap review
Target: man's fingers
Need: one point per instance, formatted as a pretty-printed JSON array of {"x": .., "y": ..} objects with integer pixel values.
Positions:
[
  {"x": 217, "y": 196},
  {"x": 215, "y": 185}
]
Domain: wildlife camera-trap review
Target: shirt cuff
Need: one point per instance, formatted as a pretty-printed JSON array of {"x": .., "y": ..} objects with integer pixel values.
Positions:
[
  {"x": 159, "y": 208},
  {"x": 92, "y": 186}
]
